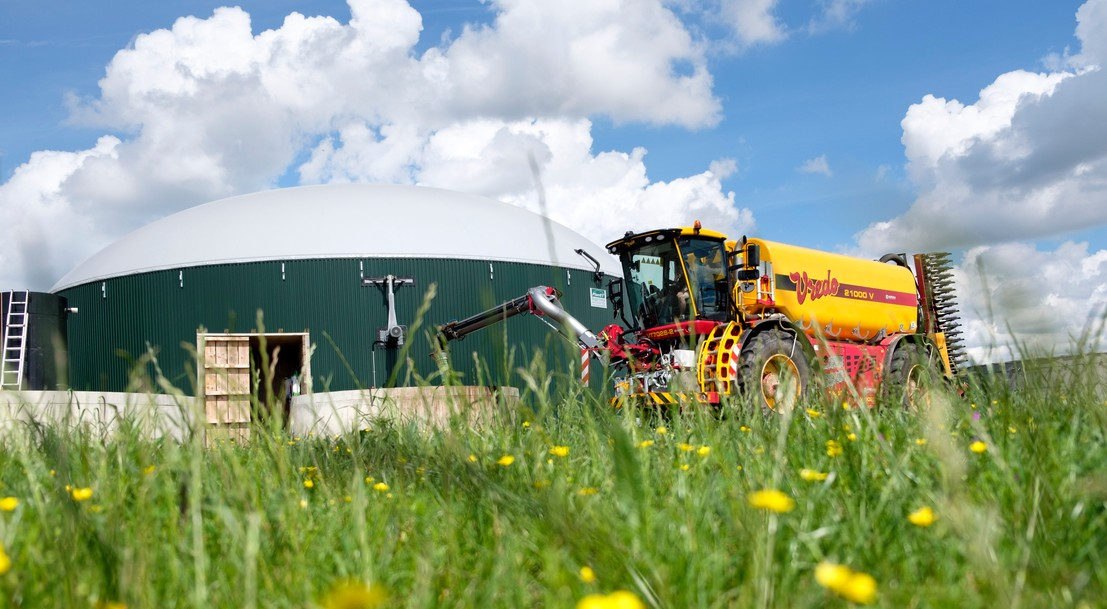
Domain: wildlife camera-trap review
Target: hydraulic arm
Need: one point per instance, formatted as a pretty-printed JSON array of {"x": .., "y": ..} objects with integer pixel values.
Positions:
[{"x": 540, "y": 300}]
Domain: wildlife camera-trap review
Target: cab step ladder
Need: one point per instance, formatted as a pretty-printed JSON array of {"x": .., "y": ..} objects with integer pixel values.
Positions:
[{"x": 15, "y": 341}]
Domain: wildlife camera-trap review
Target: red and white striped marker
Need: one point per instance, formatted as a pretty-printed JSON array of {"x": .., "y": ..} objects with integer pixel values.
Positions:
[
  {"x": 734, "y": 351},
  {"x": 584, "y": 364}
]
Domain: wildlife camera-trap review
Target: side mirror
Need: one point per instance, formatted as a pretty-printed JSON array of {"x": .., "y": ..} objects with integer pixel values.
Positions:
[
  {"x": 749, "y": 274},
  {"x": 615, "y": 295},
  {"x": 753, "y": 256}
]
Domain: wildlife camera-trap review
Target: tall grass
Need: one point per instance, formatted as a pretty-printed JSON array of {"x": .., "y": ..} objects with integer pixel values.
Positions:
[{"x": 509, "y": 516}]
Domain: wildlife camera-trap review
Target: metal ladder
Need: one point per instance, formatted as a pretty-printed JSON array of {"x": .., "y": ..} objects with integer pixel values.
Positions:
[{"x": 15, "y": 341}]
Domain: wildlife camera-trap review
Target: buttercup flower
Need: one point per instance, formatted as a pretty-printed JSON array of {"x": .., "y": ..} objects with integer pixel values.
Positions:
[
  {"x": 351, "y": 594},
  {"x": 506, "y": 460},
  {"x": 645, "y": 444},
  {"x": 703, "y": 451},
  {"x": 811, "y": 475},
  {"x": 772, "y": 500},
  {"x": 833, "y": 448},
  {"x": 5, "y": 561},
  {"x": 662, "y": 430},
  {"x": 81, "y": 494},
  {"x": 978, "y": 447},
  {"x": 922, "y": 517},
  {"x": 8, "y": 504},
  {"x": 847, "y": 583},
  {"x": 620, "y": 599},
  {"x": 560, "y": 451},
  {"x": 587, "y": 575},
  {"x": 380, "y": 487}
]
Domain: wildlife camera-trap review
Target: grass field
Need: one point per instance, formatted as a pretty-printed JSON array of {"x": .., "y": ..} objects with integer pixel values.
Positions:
[{"x": 997, "y": 499}]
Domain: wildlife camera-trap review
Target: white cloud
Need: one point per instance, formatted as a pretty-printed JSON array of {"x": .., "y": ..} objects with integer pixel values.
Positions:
[
  {"x": 816, "y": 165},
  {"x": 835, "y": 14},
  {"x": 753, "y": 21},
  {"x": 1018, "y": 300},
  {"x": 208, "y": 109},
  {"x": 1027, "y": 160}
]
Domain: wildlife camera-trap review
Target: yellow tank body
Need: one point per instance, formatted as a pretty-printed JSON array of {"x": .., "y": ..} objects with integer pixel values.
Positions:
[{"x": 840, "y": 297}]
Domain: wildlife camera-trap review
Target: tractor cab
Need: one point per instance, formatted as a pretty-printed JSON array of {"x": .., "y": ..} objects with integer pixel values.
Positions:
[{"x": 675, "y": 280}]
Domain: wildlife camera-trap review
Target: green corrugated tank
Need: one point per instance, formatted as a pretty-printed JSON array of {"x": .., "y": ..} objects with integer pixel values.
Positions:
[{"x": 299, "y": 256}]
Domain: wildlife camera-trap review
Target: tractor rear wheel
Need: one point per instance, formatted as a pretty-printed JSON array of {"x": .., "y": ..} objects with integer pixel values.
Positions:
[
  {"x": 773, "y": 370},
  {"x": 911, "y": 374}
]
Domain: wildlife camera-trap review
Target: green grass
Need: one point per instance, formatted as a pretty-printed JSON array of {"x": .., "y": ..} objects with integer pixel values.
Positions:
[{"x": 663, "y": 514}]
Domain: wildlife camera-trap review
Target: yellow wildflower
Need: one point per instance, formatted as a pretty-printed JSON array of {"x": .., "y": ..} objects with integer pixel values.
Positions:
[
  {"x": 81, "y": 494},
  {"x": 847, "y": 583},
  {"x": 703, "y": 451},
  {"x": 662, "y": 430},
  {"x": 683, "y": 467},
  {"x": 506, "y": 460},
  {"x": 588, "y": 490},
  {"x": 811, "y": 475},
  {"x": 5, "y": 561},
  {"x": 149, "y": 469},
  {"x": 308, "y": 483},
  {"x": 814, "y": 413},
  {"x": 772, "y": 500},
  {"x": 744, "y": 428},
  {"x": 1012, "y": 429},
  {"x": 380, "y": 487},
  {"x": 852, "y": 437},
  {"x": 978, "y": 447},
  {"x": 587, "y": 575},
  {"x": 303, "y": 504},
  {"x": 620, "y": 599},
  {"x": 526, "y": 423},
  {"x": 8, "y": 504},
  {"x": 645, "y": 444},
  {"x": 686, "y": 447},
  {"x": 560, "y": 451},
  {"x": 833, "y": 448},
  {"x": 922, "y": 517},
  {"x": 472, "y": 458},
  {"x": 353, "y": 594},
  {"x": 845, "y": 406},
  {"x": 920, "y": 441}
]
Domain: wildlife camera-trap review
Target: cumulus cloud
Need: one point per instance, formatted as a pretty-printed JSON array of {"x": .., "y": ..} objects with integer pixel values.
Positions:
[
  {"x": 753, "y": 21},
  {"x": 816, "y": 165},
  {"x": 1026, "y": 160},
  {"x": 835, "y": 14},
  {"x": 1019, "y": 300},
  {"x": 208, "y": 109}
]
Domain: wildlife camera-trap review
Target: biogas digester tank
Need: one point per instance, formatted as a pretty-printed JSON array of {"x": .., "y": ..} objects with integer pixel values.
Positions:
[{"x": 840, "y": 297}]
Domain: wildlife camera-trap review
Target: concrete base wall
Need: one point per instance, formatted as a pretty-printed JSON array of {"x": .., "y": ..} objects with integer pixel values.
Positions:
[
  {"x": 320, "y": 413},
  {"x": 344, "y": 411},
  {"x": 99, "y": 412}
]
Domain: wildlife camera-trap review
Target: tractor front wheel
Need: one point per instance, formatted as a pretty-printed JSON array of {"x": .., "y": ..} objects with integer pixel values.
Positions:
[{"x": 774, "y": 370}]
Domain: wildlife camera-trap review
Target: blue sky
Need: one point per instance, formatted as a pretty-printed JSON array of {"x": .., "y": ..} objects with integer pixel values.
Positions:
[{"x": 845, "y": 125}]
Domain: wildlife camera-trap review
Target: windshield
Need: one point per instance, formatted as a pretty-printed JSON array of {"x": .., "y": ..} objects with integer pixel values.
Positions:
[{"x": 658, "y": 292}]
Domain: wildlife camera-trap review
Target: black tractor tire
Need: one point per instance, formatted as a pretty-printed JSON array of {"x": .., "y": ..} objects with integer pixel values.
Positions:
[
  {"x": 773, "y": 370},
  {"x": 910, "y": 378}
]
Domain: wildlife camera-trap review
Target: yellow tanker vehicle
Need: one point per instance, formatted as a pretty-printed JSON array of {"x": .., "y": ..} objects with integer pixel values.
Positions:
[{"x": 705, "y": 317}]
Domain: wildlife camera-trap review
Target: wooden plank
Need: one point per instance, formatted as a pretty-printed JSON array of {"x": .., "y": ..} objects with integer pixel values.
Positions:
[
  {"x": 235, "y": 433},
  {"x": 222, "y": 409}
]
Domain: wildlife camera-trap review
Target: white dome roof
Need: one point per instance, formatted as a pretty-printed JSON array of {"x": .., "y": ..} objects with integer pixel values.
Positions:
[{"x": 341, "y": 221}]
